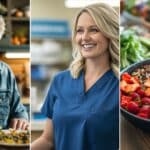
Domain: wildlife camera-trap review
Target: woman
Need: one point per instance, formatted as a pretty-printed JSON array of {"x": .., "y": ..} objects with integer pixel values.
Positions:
[{"x": 82, "y": 104}]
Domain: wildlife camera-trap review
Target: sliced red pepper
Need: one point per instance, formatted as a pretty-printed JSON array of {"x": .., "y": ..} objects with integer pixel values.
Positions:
[
  {"x": 131, "y": 87},
  {"x": 147, "y": 92},
  {"x": 125, "y": 100},
  {"x": 127, "y": 77},
  {"x": 147, "y": 83}
]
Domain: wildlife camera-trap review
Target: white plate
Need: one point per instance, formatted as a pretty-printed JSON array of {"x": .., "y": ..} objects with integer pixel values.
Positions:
[{"x": 15, "y": 144}]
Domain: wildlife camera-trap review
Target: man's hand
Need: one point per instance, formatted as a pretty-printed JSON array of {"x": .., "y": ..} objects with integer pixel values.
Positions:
[{"x": 19, "y": 123}]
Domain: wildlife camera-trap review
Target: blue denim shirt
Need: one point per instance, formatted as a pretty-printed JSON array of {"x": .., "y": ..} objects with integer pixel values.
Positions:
[{"x": 10, "y": 106}]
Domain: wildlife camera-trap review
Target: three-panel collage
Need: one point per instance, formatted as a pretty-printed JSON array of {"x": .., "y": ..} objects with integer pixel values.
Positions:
[{"x": 74, "y": 74}]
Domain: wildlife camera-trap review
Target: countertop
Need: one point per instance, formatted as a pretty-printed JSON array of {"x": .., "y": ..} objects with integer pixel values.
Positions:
[{"x": 133, "y": 138}]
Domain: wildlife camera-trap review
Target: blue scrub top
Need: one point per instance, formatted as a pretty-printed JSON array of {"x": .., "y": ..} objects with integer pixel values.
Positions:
[{"x": 84, "y": 120}]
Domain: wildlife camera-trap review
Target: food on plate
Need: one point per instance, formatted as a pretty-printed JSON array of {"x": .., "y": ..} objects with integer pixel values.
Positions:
[
  {"x": 12, "y": 136},
  {"x": 135, "y": 91}
]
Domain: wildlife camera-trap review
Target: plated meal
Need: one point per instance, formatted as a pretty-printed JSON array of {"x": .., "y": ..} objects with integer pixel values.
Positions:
[
  {"x": 135, "y": 88},
  {"x": 14, "y": 137},
  {"x": 135, "y": 94}
]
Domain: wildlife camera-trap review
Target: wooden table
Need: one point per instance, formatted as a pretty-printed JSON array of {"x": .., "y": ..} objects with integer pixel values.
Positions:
[
  {"x": 13, "y": 148},
  {"x": 133, "y": 138},
  {"x": 35, "y": 135}
]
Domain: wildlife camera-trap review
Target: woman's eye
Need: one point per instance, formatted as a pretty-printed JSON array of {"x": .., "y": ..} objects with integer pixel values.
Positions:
[
  {"x": 94, "y": 30},
  {"x": 79, "y": 30}
]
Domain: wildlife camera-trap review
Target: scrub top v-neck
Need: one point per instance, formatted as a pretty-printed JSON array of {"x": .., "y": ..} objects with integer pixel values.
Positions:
[{"x": 84, "y": 120}]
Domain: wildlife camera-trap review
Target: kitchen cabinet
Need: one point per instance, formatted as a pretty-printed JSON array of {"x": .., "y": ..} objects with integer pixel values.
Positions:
[{"x": 17, "y": 34}]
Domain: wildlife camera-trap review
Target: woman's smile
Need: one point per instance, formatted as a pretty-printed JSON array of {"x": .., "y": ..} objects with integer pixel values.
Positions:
[{"x": 88, "y": 46}]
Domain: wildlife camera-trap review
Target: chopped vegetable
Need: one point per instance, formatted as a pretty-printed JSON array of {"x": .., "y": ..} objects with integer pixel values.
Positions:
[
  {"x": 135, "y": 91},
  {"x": 133, "y": 48},
  {"x": 14, "y": 137}
]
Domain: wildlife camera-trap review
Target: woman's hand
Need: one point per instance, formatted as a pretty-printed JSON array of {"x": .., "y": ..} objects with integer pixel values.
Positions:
[{"x": 19, "y": 123}]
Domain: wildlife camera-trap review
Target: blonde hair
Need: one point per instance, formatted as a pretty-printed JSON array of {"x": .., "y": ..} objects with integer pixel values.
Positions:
[
  {"x": 2, "y": 26},
  {"x": 107, "y": 20}
]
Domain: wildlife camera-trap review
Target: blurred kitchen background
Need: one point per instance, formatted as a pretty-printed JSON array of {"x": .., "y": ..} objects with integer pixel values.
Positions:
[
  {"x": 135, "y": 31},
  {"x": 14, "y": 45},
  {"x": 51, "y": 48}
]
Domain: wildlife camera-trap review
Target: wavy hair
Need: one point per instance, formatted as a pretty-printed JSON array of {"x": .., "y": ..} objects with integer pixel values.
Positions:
[
  {"x": 2, "y": 26},
  {"x": 107, "y": 20}
]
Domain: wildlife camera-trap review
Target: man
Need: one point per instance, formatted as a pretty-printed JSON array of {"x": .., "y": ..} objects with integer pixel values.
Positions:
[{"x": 12, "y": 112}]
